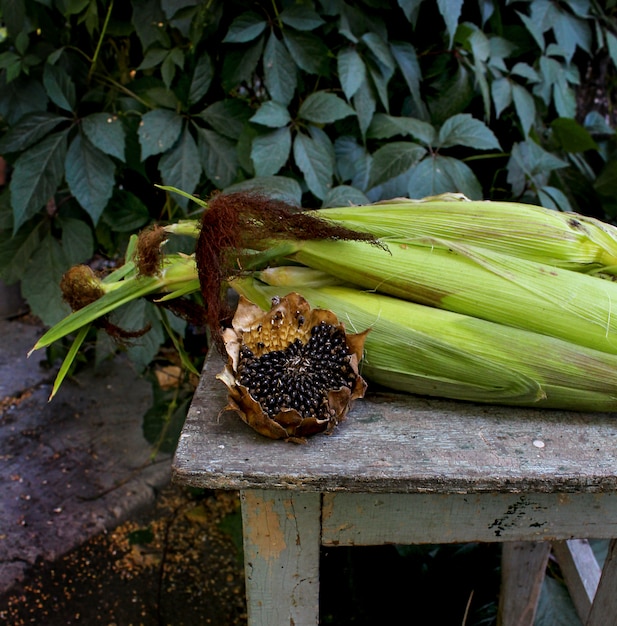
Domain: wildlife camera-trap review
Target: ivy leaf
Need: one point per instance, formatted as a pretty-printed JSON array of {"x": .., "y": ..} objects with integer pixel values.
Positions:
[
  {"x": 571, "y": 136},
  {"x": 525, "y": 107},
  {"x": 28, "y": 131},
  {"x": 158, "y": 131},
  {"x": 315, "y": 160},
  {"x": 344, "y": 195},
  {"x": 14, "y": 16},
  {"x": 385, "y": 126},
  {"x": 450, "y": 11},
  {"x": 106, "y": 132},
  {"x": 227, "y": 117},
  {"x": 245, "y": 27},
  {"x": 90, "y": 176},
  {"x": 570, "y": 32},
  {"x": 351, "y": 71},
  {"x": 201, "y": 79},
  {"x": 21, "y": 97},
  {"x": 36, "y": 176},
  {"x": 440, "y": 174},
  {"x": 393, "y": 159},
  {"x": 280, "y": 74},
  {"x": 464, "y": 130},
  {"x": 405, "y": 56},
  {"x": 125, "y": 212},
  {"x": 277, "y": 187},
  {"x": 15, "y": 251},
  {"x": 239, "y": 65},
  {"x": 365, "y": 105},
  {"x": 501, "y": 92},
  {"x": 301, "y": 17},
  {"x": 180, "y": 166},
  {"x": 553, "y": 198},
  {"x": 77, "y": 240},
  {"x": 153, "y": 58},
  {"x": 308, "y": 51},
  {"x": 59, "y": 86},
  {"x": 218, "y": 157},
  {"x": 322, "y": 107},
  {"x": 271, "y": 114},
  {"x": 350, "y": 156},
  {"x": 270, "y": 152},
  {"x": 40, "y": 283}
]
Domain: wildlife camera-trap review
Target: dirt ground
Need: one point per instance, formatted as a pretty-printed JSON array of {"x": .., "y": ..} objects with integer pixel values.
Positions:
[{"x": 178, "y": 565}]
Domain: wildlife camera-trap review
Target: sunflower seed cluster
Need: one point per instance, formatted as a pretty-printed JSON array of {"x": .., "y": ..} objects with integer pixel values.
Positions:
[{"x": 300, "y": 376}]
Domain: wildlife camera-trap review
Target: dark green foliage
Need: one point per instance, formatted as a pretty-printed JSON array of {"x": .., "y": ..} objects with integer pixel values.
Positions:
[{"x": 319, "y": 103}]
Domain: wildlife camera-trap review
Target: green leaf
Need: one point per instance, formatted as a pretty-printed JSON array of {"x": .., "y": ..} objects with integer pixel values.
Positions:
[
  {"x": 301, "y": 17},
  {"x": 344, "y": 195},
  {"x": 218, "y": 157},
  {"x": 315, "y": 161},
  {"x": 277, "y": 187},
  {"x": 36, "y": 176},
  {"x": 239, "y": 65},
  {"x": 21, "y": 97},
  {"x": 570, "y": 32},
  {"x": 147, "y": 15},
  {"x": 125, "y": 212},
  {"x": 13, "y": 15},
  {"x": 464, "y": 130},
  {"x": 606, "y": 183},
  {"x": 450, "y": 11},
  {"x": 28, "y": 131},
  {"x": 90, "y": 176},
  {"x": 380, "y": 50},
  {"x": 365, "y": 104},
  {"x": 246, "y": 27},
  {"x": 572, "y": 137},
  {"x": 106, "y": 132},
  {"x": 270, "y": 152},
  {"x": 385, "y": 126},
  {"x": 308, "y": 51},
  {"x": 525, "y": 107},
  {"x": 405, "y": 56},
  {"x": 271, "y": 114},
  {"x": 180, "y": 166},
  {"x": 135, "y": 316},
  {"x": 393, "y": 159},
  {"x": 15, "y": 252},
  {"x": 439, "y": 174},
  {"x": 351, "y": 70},
  {"x": 158, "y": 131},
  {"x": 501, "y": 92},
  {"x": 553, "y": 198},
  {"x": 352, "y": 161},
  {"x": 227, "y": 117},
  {"x": 322, "y": 107},
  {"x": 453, "y": 96},
  {"x": 40, "y": 284},
  {"x": 280, "y": 73},
  {"x": 201, "y": 79},
  {"x": 59, "y": 86},
  {"x": 153, "y": 58},
  {"x": 77, "y": 240}
]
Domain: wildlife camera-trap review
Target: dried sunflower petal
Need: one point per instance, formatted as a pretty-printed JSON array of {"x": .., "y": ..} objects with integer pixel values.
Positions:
[{"x": 293, "y": 371}]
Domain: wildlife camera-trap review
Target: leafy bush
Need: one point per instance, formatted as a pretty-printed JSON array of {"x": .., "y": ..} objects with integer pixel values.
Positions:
[{"x": 321, "y": 103}]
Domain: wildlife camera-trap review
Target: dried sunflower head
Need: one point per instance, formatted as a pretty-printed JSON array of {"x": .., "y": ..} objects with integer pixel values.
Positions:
[{"x": 293, "y": 371}]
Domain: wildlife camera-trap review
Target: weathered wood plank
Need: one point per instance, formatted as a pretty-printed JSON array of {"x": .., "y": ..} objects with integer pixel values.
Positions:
[
  {"x": 581, "y": 572},
  {"x": 402, "y": 443},
  {"x": 523, "y": 566},
  {"x": 281, "y": 556},
  {"x": 604, "y": 608},
  {"x": 373, "y": 519}
]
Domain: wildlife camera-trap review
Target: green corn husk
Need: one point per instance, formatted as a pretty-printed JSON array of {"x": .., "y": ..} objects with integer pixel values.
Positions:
[
  {"x": 421, "y": 350},
  {"x": 478, "y": 282},
  {"x": 566, "y": 240}
]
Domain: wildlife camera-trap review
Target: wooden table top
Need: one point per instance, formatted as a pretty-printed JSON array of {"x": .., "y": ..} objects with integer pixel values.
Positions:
[{"x": 400, "y": 443}]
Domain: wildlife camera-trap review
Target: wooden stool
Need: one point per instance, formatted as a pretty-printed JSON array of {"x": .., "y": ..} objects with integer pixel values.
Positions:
[{"x": 411, "y": 470}]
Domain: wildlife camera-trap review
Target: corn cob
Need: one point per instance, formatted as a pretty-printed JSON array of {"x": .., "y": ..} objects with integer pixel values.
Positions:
[
  {"x": 478, "y": 282},
  {"x": 418, "y": 349},
  {"x": 566, "y": 240}
]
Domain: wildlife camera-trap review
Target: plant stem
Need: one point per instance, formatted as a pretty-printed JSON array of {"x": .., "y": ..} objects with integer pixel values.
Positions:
[{"x": 100, "y": 41}]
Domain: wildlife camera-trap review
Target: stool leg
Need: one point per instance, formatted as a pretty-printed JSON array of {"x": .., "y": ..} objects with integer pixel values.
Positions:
[
  {"x": 523, "y": 565},
  {"x": 282, "y": 538},
  {"x": 604, "y": 607}
]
